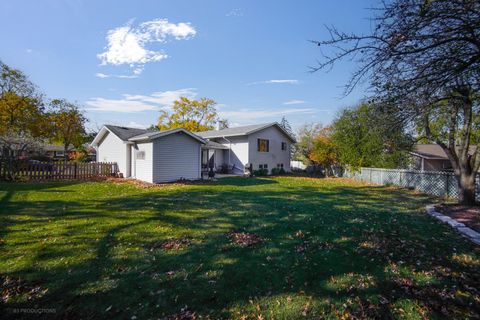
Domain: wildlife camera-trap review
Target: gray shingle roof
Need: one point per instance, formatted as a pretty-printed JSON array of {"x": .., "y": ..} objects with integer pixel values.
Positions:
[
  {"x": 434, "y": 151},
  {"x": 157, "y": 134},
  {"x": 240, "y": 131},
  {"x": 126, "y": 133}
]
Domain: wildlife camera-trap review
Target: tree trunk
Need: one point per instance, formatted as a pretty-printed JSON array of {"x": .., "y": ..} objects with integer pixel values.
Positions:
[
  {"x": 466, "y": 189},
  {"x": 65, "y": 152}
]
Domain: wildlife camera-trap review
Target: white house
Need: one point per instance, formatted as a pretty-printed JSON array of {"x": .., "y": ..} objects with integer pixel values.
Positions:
[
  {"x": 264, "y": 146},
  {"x": 151, "y": 156},
  {"x": 163, "y": 156}
]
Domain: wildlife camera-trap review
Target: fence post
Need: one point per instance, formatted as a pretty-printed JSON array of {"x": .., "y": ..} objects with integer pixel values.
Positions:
[{"x": 447, "y": 186}]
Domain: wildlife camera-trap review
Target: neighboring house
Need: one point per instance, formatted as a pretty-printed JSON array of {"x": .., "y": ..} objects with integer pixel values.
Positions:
[
  {"x": 57, "y": 152},
  {"x": 431, "y": 157},
  {"x": 163, "y": 156},
  {"x": 151, "y": 156},
  {"x": 264, "y": 146}
]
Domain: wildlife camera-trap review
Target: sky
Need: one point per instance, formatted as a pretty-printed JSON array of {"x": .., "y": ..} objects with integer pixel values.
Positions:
[{"x": 124, "y": 61}]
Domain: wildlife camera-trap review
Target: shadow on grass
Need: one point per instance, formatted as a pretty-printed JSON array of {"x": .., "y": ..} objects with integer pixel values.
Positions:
[{"x": 325, "y": 241}]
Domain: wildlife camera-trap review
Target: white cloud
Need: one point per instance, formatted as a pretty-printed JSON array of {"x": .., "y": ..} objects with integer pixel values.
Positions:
[
  {"x": 290, "y": 102},
  {"x": 129, "y": 44},
  {"x": 163, "y": 98},
  {"x": 139, "y": 103},
  {"x": 276, "y": 81},
  {"x": 133, "y": 124},
  {"x": 117, "y": 105},
  {"x": 121, "y": 76},
  {"x": 234, "y": 13},
  {"x": 101, "y": 75}
]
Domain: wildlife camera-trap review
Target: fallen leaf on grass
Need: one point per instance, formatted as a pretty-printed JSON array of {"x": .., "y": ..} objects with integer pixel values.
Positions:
[
  {"x": 172, "y": 244},
  {"x": 244, "y": 239}
]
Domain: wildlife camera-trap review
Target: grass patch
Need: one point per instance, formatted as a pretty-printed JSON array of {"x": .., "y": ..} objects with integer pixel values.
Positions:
[{"x": 238, "y": 248}]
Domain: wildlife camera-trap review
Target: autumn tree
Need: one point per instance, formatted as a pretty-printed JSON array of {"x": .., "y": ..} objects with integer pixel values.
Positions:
[
  {"x": 306, "y": 135},
  {"x": 21, "y": 112},
  {"x": 193, "y": 115},
  {"x": 423, "y": 57},
  {"x": 67, "y": 124},
  {"x": 324, "y": 152}
]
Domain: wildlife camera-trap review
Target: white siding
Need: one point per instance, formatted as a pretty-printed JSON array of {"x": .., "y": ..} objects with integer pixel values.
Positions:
[
  {"x": 113, "y": 149},
  {"x": 275, "y": 155},
  {"x": 219, "y": 160},
  {"x": 176, "y": 156},
  {"x": 238, "y": 154},
  {"x": 143, "y": 167}
]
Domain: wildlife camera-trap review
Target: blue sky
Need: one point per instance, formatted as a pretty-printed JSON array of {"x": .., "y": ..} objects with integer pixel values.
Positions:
[{"x": 123, "y": 61}]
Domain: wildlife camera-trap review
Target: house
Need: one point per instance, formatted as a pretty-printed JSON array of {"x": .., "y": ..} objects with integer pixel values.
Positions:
[
  {"x": 163, "y": 156},
  {"x": 263, "y": 146},
  {"x": 151, "y": 156},
  {"x": 431, "y": 157},
  {"x": 57, "y": 152}
]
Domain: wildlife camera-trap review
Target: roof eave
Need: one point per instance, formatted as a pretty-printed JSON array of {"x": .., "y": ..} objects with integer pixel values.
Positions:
[
  {"x": 164, "y": 134},
  {"x": 427, "y": 157}
]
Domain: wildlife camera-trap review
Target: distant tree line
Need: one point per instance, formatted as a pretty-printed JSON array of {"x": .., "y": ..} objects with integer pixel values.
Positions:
[
  {"x": 358, "y": 137},
  {"x": 28, "y": 119}
]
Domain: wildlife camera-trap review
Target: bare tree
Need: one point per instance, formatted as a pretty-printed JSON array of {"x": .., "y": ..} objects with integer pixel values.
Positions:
[{"x": 423, "y": 57}]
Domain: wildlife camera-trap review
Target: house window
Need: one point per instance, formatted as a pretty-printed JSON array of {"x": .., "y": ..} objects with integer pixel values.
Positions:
[
  {"x": 140, "y": 155},
  {"x": 279, "y": 165},
  {"x": 60, "y": 153},
  {"x": 263, "y": 166},
  {"x": 284, "y": 145},
  {"x": 263, "y": 145}
]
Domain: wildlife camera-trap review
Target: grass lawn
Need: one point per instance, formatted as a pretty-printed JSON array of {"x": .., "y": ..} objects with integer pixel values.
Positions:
[{"x": 329, "y": 248}]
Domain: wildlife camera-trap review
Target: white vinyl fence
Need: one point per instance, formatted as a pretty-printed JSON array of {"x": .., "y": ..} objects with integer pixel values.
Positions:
[{"x": 437, "y": 183}]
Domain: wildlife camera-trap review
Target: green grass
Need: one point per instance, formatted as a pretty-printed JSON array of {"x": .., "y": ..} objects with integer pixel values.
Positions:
[{"x": 333, "y": 248}]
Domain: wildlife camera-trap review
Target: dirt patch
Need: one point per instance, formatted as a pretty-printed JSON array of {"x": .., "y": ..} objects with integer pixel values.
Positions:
[
  {"x": 468, "y": 215},
  {"x": 12, "y": 288},
  {"x": 244, "y": 239},
  {"x": 172, "y": 244},
  {"x": 148, "y": 185}
]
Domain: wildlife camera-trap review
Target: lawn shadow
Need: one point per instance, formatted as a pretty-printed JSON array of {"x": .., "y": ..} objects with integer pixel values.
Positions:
[{"x": 316, "y": 240}]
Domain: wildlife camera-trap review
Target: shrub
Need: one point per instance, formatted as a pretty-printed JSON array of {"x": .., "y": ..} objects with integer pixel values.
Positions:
[
  {"x": 260, "y": 172},
  {"x": 275, "y": 171},
  {"x": 282, "y": 171}
]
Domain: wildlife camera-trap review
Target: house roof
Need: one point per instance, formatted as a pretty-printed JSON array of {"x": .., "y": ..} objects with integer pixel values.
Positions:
[
  {"x": 433, "y": 151},
  {"x": 134, "y": 135},
  {"x": 125, "y": 133},
  {"x": 242, "y": 131},
  {"x": 55, "y": 147},
  {"x": 151, "y": 135}
]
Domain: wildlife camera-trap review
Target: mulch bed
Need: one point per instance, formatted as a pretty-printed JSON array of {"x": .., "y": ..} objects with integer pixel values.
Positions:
[
  {"x": 468, "y": 215},
  {"x": 172, "y": 244},
  {"x": 244, "y": 239}
]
